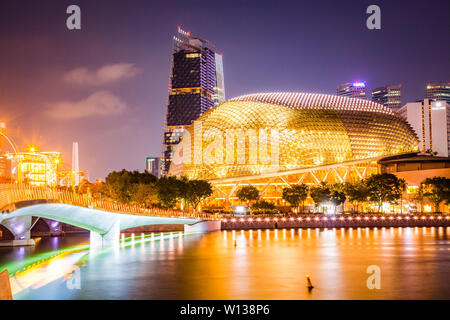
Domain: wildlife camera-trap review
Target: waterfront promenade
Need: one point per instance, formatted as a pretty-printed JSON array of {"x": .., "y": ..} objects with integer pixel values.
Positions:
[{"x": 337, "y": 221}]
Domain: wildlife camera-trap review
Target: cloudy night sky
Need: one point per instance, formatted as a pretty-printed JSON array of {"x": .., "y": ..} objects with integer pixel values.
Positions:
[{"x": 105, "y": 86}]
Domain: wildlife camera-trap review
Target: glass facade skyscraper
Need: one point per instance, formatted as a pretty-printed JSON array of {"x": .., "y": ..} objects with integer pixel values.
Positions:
[
  {"x": 438, "y": 91},
  {"x": 153, "y": 166},
  {"x": 388, "y": 96},
  {"x": 352, "y": 90},
  {"x": 196, "y": 85}
]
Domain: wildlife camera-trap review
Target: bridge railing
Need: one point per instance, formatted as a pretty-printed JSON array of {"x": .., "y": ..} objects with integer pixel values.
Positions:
[{"x": 14, "y": 193}]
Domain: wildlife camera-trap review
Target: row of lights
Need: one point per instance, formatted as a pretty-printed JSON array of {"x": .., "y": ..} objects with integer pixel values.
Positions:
[{"x": 332, "y": 218}]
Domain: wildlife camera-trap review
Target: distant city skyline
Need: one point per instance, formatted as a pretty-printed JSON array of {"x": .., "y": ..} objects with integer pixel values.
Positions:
[{"x": 105, "y": 86}]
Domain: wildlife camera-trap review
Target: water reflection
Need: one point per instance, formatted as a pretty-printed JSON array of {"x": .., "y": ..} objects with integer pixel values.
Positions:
[{"x": 248, "y": 265}]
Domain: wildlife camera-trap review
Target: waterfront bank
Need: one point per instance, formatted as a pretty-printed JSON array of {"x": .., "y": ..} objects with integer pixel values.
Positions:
[{"x": 311, "y": 221}]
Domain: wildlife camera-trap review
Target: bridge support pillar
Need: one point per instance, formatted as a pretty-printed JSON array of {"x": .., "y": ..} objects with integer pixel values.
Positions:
[
  {"x": 110, "y": 238},
  {"x": 203, "y": 226},
  {"x": 20, "y": 228},
  {"x": 54, "y": 226}
]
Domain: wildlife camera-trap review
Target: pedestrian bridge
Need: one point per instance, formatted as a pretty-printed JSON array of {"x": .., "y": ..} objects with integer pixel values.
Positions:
[
  {"x": 104, "y": 219},
  {"x": 103, "y": 225}
]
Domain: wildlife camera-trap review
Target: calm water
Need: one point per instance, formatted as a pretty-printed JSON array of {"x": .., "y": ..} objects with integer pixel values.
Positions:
[{"x": 258, "y": 264}]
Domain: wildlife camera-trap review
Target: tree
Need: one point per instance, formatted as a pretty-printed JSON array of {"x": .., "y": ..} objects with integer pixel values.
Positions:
[
  {"x": 248, "y": 193},
  {"x": 121, "y": 185},
  {"x": 117, "y": 186},
  {"x": 419, "y": 196},
  {"x": 385, "y": 187},
  {"x": 197, "y": 191},
  {"x": 356, "y": 192},
  {"x": 170, "y": 190},
  {"x": 295, "y": 194},
  {"x": 84, "y": 186},
  {"x": 320, "y": 193},
  {"x": 437, "y": 189},
  {"x": 145, "y": 194},
  {"x": 337, "y": 195},
  {"x": 263, "y": 207}
]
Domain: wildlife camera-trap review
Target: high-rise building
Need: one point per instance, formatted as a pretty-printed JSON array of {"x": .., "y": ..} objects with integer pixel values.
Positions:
[
  {"x": 2, "y": 138},
  {"x": 388, "y": 96},
  {"x": 153, "y": 165},
  {"x": 5, "y": 162},
  {"x": 438, "y": 91},
  {"x": 431, "y": 122},
  {"x": 75, "y": 164},
  {"x": 5, "y": 169},
  {"x": 352, "y": 90},
  {"x": 196, "y": 85}
]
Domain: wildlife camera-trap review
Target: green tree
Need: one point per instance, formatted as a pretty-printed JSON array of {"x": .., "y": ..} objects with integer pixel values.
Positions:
[
  {"x": 385, "y": 187},
  {"x": 295, "y": 194},
  {"x": 121, "y": 185},
  {"x": 84, "y": 187},
  {"x": 320, "y": 193},
  {"x": 248, "y": 193},
  {"x": 357, "y": 193},
  {"x": 419, "y": 196},
  {"x": 437, "y": 189},
  {"x": 171, "y": 190},
  {"x": 197, "y": 191},
  {"x": 145, "y": 194},
  {"x": 263, "y": 207},
  {"x": 118, "y": 186},
  {"x": 337, "y": 194}
]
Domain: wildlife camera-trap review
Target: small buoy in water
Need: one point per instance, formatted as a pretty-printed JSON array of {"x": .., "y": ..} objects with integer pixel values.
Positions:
[{"x": 308, "y": 281}]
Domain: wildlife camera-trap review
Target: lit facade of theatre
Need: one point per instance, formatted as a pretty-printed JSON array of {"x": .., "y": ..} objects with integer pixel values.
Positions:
[{"x": 272, "y": 140}]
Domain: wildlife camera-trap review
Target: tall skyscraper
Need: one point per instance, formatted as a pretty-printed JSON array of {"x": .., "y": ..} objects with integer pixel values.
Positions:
[
  {"x": 389, "y": 96},
  {"x": 438, "y": 91},
  {"x": 431, "y": 122},
  {"x": 2, "y": 139},
  {"x": 5, "y": 163},
  {"x": 196, "y": 85},
  {"x": 75, "y": 164},
  {"x": 352, "y": 90},
  {"x": 153, "y": 165}
]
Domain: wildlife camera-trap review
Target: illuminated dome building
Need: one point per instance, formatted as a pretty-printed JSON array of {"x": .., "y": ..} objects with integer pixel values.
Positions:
[{"x": 269, "y": 135}]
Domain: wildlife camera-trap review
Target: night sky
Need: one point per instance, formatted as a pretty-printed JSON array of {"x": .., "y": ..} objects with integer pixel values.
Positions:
[{"x": 55, "y": 88}]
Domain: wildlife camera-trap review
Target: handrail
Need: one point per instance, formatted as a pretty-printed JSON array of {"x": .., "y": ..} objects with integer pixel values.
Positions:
[{"x": 11, "y": 194}]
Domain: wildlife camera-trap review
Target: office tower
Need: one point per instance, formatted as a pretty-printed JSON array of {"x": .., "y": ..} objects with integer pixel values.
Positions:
[
  {"x": 75, "y": 164},
  {"x": 431, "y": 122},
  {"x": 2, "y": 138},
  {"x": 5, "y": 163},
  {"x": 438, "y": 91},
  {"x": 389, "y": 96},
  {"x": 196, "y": 85},
  {"x": 153, "y": 165},
  {"x": 352, "y": 90},
  {"x": 5, "y": 169}
]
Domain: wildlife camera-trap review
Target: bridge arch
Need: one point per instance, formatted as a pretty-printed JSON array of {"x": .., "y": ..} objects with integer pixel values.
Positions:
[{"x": 102, "y": 224}]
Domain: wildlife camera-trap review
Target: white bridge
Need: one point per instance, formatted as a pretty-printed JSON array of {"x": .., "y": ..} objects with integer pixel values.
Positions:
[{"x": 104, "y": 220}]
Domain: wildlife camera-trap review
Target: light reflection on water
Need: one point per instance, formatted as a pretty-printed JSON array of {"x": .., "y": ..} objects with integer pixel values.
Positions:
[{"x": 260, "y": 264}]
